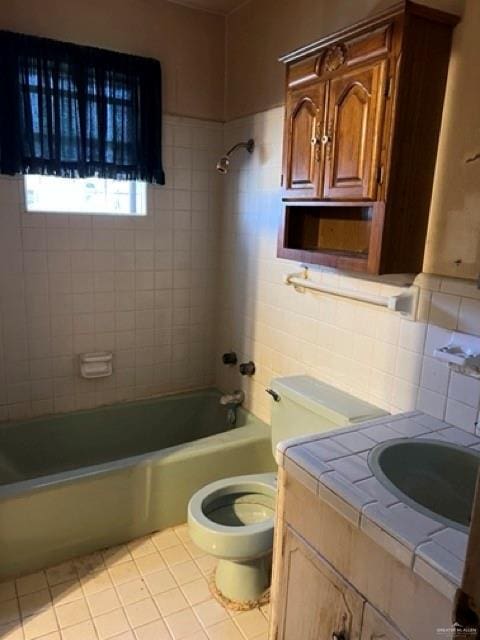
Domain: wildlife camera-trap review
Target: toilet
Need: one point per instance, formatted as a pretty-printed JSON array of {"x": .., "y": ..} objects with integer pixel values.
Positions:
[{"x": 233, "y": 519}]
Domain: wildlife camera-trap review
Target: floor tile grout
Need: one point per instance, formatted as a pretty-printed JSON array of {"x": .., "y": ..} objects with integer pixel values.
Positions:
[{"x": 180, "y": 568}]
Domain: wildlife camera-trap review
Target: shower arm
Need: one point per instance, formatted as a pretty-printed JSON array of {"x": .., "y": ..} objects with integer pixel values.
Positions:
[{"x": 247, "y": 145}]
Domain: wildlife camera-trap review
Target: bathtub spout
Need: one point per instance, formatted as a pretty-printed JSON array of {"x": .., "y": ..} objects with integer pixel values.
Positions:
[
  {"x": 236, "y": 398},
  {"x": 231, "y": 416}
]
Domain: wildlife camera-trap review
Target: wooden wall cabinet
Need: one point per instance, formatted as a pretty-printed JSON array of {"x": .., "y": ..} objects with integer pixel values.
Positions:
[{"x": 362, "y": 120}]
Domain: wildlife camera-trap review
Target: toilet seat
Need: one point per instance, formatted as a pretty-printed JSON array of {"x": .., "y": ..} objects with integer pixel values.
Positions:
[{"x": 234, "y": 541}]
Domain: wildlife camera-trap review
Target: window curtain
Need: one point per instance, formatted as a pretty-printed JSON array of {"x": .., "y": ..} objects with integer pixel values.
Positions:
[{"x": 75, "y": 111}]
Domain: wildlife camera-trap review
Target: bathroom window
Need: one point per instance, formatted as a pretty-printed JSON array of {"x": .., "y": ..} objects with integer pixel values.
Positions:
[{"x": 51, "y": 194}]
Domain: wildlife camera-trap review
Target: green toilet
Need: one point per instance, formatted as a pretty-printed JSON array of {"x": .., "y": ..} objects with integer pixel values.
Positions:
[{"x": 233, "y": 519}]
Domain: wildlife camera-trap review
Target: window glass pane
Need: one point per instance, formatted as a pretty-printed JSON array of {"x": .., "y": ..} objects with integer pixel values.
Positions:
[{"x": 85, "y": 195}]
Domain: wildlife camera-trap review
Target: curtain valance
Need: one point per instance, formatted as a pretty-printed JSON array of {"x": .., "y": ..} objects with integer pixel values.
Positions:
[{"x": 77, "y": 111}]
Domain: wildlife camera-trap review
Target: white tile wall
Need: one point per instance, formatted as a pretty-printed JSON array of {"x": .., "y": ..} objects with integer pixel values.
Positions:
[
  {"x": 142, "y": 287},
  {"x": 368, "y": 351},
  {"x": 149, "y": 289}
]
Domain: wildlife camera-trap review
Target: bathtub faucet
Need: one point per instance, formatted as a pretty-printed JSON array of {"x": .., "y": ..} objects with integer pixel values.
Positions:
[
  {"x": 232, "y": 401},
  {"x": 236, "y": 398}
]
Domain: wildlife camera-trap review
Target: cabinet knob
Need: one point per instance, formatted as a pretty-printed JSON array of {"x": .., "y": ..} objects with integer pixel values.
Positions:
[
  {"x": 339, "y": 635},
  {"x": 316, "y": 140},
  {"x": 325, "y": 140}
]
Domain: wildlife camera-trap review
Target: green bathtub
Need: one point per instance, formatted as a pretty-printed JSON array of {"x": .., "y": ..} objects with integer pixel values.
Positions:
[{"x": 74, "y": 483}]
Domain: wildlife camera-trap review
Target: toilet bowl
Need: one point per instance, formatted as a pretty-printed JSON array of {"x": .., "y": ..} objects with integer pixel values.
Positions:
[{"x": 233, "y": 519}]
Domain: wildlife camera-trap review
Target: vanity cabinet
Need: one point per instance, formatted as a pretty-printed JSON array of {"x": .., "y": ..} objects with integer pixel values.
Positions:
[
  {"x": 362, "y": 120},
  {"x": 327, "y": 608},
  {"x": 331, "y": 580},
  {"x": 376, "y": 627}
]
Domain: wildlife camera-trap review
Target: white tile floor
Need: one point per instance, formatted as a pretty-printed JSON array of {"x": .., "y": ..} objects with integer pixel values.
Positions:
[{"x": 153, "y": 588}]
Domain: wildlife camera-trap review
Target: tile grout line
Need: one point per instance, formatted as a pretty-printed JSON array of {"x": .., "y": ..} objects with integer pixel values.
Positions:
[{"x": 80, "y": 571}]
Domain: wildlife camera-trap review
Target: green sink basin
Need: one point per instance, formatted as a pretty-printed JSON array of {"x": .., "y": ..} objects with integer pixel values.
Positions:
[{"x": 434, "y": 478}]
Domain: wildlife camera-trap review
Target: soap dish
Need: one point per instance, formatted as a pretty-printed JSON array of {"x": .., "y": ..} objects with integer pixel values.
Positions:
[
  {"x": 462, "y": 351},
  {"x": 96, "y": 365}
]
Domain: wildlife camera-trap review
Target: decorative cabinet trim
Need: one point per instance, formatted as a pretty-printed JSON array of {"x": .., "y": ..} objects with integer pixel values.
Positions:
[{"x": 333, "y": 58}]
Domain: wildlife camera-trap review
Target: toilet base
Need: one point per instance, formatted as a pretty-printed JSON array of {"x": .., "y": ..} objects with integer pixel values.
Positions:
[{"x": 244, "y": 581}]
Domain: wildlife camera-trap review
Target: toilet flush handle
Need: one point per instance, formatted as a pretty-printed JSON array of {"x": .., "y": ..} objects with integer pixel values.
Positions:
[{"x": 276, "y": 397}]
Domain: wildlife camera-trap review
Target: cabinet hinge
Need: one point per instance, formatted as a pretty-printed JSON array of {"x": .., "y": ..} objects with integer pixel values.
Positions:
[
  {"x": 388, "y": 88},
  {"x": 380, "y": 174}
]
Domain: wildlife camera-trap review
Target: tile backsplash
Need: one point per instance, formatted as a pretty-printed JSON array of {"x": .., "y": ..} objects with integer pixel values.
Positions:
[
  {"x": 142, "y": 287},
  {"x": 370, "y": 352},
  {"x": 170, "y": 292}
]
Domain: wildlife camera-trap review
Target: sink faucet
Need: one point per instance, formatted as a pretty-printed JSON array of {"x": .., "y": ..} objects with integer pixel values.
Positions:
[{"x": 236, "y": 398}]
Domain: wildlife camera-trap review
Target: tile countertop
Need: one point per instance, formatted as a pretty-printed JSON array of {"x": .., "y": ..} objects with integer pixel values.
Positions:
[{"x": 334, "y": 466}]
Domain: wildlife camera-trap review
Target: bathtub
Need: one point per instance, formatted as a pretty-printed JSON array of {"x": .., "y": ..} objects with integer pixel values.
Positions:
[{"x": 74, "y": 483}]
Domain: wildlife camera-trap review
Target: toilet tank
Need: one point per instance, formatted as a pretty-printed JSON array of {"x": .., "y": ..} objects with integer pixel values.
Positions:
[{"x": 306, "y": 405}]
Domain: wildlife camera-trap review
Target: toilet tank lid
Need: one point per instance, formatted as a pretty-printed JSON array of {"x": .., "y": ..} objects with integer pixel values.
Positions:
[{"x": 325, "y": 400}]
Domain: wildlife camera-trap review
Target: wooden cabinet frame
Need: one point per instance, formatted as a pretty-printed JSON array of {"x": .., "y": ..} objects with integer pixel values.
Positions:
[
  {"x": 304, "y": 615},
  {"x": 382, "y": 85},
  {"x": 303, "y": 132}
]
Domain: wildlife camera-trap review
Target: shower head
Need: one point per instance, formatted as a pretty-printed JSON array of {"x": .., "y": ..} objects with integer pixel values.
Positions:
[{"x": 224, "y": 162}]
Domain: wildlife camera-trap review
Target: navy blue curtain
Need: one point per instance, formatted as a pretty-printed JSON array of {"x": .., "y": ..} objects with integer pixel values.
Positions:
[{"x": 75, "y": 111}]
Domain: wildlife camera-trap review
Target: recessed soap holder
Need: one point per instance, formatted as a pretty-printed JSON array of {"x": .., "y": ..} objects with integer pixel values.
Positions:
[
  {"x": 462, "y": 352},
  {"x": 96, "y": 365}
]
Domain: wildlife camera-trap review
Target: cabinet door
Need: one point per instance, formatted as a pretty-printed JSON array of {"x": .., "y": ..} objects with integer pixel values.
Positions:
[
  {"x": 303, "y": 148},
  {"x": 376, "y": 627},
  {"x": 355, "y": 116},
  {"x": 314, "y": 601}
]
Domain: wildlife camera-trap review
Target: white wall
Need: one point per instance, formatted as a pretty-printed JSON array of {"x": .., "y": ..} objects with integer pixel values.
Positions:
[
  {"x": 188, "y": 43},
  {"x": 142, "y": 287},
  {"x": 368, "y": 351}
]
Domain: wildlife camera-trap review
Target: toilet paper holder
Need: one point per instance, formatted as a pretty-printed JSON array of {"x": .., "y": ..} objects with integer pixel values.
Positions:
[{"x": 96, "y": 365}]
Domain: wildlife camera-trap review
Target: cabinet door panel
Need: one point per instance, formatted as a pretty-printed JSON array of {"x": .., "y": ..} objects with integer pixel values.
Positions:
[
  {"x": 355, "y": 114},
  {"x": 376, "y": 627},
  {"x": 315, "y": 602},
  {"x": 303, "y": 155}
]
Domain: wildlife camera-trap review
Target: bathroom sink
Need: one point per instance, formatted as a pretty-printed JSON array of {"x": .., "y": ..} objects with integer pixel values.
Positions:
[{"x": 434, "y": 478}]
